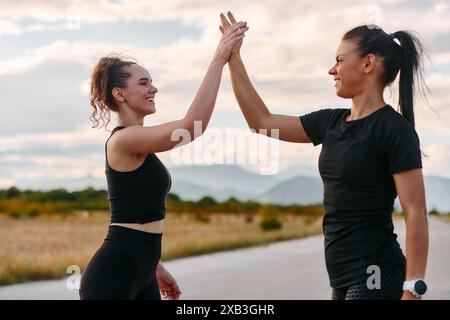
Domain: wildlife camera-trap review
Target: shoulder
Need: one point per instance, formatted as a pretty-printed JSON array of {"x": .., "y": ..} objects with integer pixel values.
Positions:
[
  {"x": 322, "y": 119},
  {"x": 394, "y": 122},
  {"x": 335, "y": 112},
  {"x": 332, "y": 116},
  {"x": 394, "y": 129},
  {"x": 117, "y": 142},
  {"x": 393, "y": 115},
  {"x": 326, "y": 113}
]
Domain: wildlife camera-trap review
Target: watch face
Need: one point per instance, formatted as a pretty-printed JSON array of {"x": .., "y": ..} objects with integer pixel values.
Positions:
[{"x": 420, "y": 287}]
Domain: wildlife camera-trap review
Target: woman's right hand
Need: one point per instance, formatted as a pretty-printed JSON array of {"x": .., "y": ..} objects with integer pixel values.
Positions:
[
  {"x": 230, "y": 37},
  {"x": 225, "y": 25}
]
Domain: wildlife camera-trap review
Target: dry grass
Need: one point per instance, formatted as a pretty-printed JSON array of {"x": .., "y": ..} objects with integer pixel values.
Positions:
[
  {"x": 43, "y": 247},
  {"x": 444, "y": 217}
]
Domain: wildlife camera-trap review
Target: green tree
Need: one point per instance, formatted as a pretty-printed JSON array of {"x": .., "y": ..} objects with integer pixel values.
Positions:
[
  {"x": 206, "y": 202},
  {"x": 434, "y": 212},
  {"x": 12, "y": 192}
]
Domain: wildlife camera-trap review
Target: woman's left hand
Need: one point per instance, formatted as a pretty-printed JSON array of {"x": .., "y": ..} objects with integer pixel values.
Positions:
[{"x": 167, "y": 283}]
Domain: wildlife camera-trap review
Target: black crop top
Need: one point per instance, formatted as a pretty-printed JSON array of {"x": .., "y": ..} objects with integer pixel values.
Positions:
[{"x": 138, "y": 196}]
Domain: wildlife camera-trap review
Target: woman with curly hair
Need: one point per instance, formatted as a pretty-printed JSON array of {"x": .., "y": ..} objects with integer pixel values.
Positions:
[{"x": 127, "y": 265}]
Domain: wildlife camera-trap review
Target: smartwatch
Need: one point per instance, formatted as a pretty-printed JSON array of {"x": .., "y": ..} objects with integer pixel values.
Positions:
[{"x": 418, "y": 287}]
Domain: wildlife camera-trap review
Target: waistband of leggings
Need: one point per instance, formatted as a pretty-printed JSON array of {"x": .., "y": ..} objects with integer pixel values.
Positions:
[{"x": 133, "y": 233}]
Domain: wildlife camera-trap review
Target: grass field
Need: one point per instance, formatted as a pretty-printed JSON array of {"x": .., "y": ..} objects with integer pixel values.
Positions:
[
  {"x": 445, "y": 217},
  {"x": 43, "y": 247}
]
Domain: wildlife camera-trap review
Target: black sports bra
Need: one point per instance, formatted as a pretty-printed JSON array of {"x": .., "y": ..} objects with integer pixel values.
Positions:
[{"x": 138, "y": 196}]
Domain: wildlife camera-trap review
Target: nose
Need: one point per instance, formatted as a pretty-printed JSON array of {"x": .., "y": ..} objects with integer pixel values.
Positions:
[
  {"x": 153, "y": 89},
  {"x": 332, "y": 71}
]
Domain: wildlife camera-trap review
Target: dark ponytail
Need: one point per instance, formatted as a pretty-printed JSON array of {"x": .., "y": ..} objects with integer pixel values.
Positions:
[
  {"x": 405, "y": 56},
  {"x": 411, "y": 72}
]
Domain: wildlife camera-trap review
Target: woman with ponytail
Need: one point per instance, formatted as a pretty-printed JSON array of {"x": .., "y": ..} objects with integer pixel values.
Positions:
[
  {"x": 370, "y": 154},
  {"x": 127, "y": 265}
]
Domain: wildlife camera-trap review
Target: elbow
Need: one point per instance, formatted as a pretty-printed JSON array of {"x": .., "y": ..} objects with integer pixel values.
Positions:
[
  {"x": 259, "y": 123},
  {"x": 196, "y": 128},
  {"x": 253, "y": 126},
  {"x": 416, "y": 213},
  {"x": 254, "y": 122}
]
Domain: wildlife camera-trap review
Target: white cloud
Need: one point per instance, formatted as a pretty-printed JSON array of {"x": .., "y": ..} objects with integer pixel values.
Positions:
[
  {"x": 288, "y": 50},
  {"x": 9, "y": 27},
  {"x": 6, "y": 183}
]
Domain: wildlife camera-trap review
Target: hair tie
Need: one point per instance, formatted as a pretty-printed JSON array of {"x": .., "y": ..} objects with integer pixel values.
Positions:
[{"x": 394, "y": 39}]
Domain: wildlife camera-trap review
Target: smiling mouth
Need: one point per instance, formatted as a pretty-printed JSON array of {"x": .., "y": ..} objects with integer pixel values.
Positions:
[{"x": 151, "y": 100}]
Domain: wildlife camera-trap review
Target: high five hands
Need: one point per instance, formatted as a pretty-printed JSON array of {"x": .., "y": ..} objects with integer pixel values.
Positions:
[{"x": 226, "y": 25}]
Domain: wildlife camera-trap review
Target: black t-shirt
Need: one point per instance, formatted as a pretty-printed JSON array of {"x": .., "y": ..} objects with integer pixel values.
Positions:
[{"x": 356, "y": 163}]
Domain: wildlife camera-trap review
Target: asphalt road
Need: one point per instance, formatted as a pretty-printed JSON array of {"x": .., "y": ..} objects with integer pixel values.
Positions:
[{"x": 293, "y": 270}]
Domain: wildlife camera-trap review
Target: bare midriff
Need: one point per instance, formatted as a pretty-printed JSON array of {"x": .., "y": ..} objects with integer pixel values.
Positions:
[{"x": 152, "y": 227}]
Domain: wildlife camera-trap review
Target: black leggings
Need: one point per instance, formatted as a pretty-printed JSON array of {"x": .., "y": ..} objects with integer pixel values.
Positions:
[
  {"x": 391, "y": 288},
  {"x": 124, "y": 267}
]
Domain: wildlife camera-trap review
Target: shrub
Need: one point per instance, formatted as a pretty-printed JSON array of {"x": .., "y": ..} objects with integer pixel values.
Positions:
[
  {"x": 202, "y": 217},
  {"x": 14, "y": 215},
  {"x": 434, "y": 212},
  {"x": 33, "y": 212},
  {"x": 269, "y": 218},
  {"x": 249, "y": 217}
]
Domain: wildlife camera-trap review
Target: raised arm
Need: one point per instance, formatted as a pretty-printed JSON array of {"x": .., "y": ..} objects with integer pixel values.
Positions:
[
  {"x": 252, "y": 106},
  {"x": 149, "y": 139}
]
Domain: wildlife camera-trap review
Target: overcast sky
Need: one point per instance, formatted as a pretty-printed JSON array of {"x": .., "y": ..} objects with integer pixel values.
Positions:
[{"x": 49, "y": 48}]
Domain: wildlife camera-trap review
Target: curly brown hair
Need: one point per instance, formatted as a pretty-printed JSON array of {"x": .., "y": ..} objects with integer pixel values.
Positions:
[{"x": 110, "y": 72}]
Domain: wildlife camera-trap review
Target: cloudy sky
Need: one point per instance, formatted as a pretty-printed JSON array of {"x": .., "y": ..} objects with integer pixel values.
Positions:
[{"x": 48, "y": 49}]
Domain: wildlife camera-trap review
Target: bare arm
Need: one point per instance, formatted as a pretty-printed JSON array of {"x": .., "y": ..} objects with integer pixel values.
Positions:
[
  {"x": 256, "y": 112},
  {"x": 252, "y": 106},
  {"x": 411, "y": 193},
  {"x": 143, "y": 140}
]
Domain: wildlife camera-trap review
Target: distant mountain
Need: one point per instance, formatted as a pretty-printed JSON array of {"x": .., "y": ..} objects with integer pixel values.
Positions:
[
  {"x": 300, "y": 189},
  {"x": 304, "y": 190},
  {"x": 223, "y": 177},
  {"x": 297, "y": 171},
  {"x": 49, "y": 183},
  {"x": 194, "y": 192},
  {"x": 225, "y": 181},
  {"x": 187, "y": 190}
]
